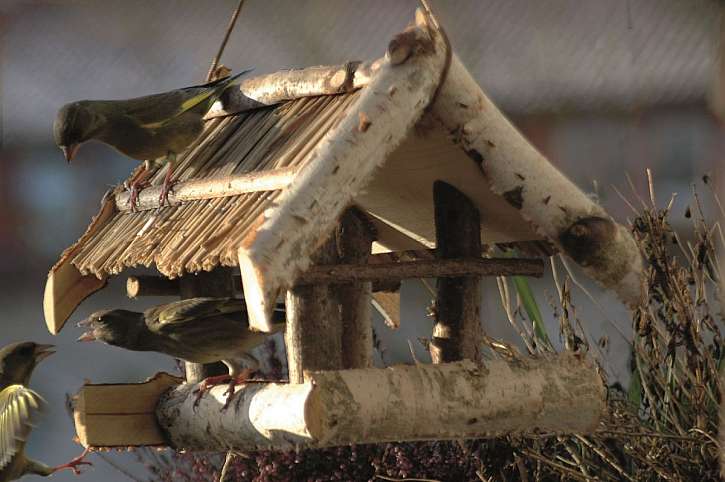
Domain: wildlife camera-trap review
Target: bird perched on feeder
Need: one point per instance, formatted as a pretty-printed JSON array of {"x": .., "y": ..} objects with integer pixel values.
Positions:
[
  {"x": 198, "y": 330},
  {"x": 153, "y": 128},
  {"x": 18, "y": 404}
]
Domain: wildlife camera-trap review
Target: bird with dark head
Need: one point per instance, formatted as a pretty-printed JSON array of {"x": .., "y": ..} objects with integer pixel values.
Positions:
[
  {"x": 198, "y": 330},
  {"x": 153, "y": 128},
  {"x": 18, "y": 405}
]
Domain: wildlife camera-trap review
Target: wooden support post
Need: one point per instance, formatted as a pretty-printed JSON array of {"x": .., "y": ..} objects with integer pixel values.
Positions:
[
  {"x": 457, "y": 332},
  {"x": 313, "y": 335},
  {"x": 354, "y": 242},
  {"x": 206, "y": 283}
]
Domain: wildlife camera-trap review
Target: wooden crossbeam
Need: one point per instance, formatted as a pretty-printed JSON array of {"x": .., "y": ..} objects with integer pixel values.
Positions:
[{"x": 378, "y": 273}]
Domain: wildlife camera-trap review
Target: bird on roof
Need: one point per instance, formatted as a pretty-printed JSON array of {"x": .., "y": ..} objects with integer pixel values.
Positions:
[
  {"x": 198, "y": 330},
  {"x": 18, "y": 405},
  {"x": 153, "y": 128}
]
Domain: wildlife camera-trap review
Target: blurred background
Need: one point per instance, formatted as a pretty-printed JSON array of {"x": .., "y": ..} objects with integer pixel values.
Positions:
[{"x": 604, "y": 89}]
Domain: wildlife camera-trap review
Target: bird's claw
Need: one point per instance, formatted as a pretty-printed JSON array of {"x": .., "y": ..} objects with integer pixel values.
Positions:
[
  {"x": 134, "y": 189},
  {"x": 209, "y": 382},
  {"x": 74, "y": 464},
  {"x": 168, "y": 187},
  {"x": 207, "y": 385}
]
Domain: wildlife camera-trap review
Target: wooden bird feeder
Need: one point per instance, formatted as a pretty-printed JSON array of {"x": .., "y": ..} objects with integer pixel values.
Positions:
[{"x": 325, "y": 187}]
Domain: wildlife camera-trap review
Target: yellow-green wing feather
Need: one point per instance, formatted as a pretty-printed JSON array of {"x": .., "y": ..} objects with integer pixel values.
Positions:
[
  {"x": 199, "y": 94},
  {"x": 18, "y": 405},
  {"x": 195, "y": 308}
]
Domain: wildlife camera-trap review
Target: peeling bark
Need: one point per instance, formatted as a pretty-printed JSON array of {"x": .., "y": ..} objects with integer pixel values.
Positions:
[{"x": 563, "y": 394}]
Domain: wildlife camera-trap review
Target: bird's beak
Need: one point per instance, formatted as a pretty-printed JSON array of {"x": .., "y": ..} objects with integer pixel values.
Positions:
[
  {"x": 42, "y": 352},
  {"x": 69, "y": 151},
  {"x": 87, "y": 336}
]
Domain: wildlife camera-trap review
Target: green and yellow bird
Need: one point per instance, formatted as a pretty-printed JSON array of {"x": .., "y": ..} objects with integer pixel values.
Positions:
[
  {"x": 153, "y": 128},
  {"x": 18, "y": 405},
  {"x": 199, "y": 330}
]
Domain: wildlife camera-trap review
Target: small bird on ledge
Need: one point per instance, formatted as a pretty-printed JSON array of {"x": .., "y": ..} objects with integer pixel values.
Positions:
[
  {"x": 153, "y": 128},
  {"x": 198, "y": 330}
]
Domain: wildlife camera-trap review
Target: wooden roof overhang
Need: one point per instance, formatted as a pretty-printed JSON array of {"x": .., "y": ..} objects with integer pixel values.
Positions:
[{"x": 289, "y": 152}]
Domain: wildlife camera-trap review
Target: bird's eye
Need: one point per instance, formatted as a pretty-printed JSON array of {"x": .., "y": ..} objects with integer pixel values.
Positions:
[{"x": 26, "y": 350}]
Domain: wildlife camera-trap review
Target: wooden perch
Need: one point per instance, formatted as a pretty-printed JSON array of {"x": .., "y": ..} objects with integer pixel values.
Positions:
[
  {"x": 516, "y": 171},
  {"x": 457, "y": 332},
  {"x": 564, "y": 394},
  {"x": 146, "y": 285},
  {"x": 119, "y": 415},
  {"x": 197, "y": 189},
  {"x": 284, "y": 85}
]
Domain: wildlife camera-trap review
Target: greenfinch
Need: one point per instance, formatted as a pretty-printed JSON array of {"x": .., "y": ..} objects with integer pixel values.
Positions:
[
  {"x": 153, "y": 128},
  {"x": 18, "y": 405},
  {"x": 198, "y": 330}
]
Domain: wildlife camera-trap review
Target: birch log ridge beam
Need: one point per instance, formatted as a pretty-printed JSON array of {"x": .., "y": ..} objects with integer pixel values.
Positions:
[
  {"x": 554, "y": 395},
  {"x": 457, "y": 331},
  {"x": 313, "y": 336}
]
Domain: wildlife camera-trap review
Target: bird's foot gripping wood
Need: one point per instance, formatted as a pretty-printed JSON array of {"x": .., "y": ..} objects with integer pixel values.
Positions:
[
  {"x": 74, "y": 464},
  {"x": 135, "y": 188},
  {"x": 210, "y": 382},
  {"x": 168, "y": 185}
]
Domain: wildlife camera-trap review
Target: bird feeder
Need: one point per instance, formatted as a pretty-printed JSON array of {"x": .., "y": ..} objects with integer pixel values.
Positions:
[{"x": 326, "y": 186}]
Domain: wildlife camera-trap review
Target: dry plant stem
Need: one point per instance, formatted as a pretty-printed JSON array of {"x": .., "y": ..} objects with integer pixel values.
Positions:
[
  {"x": 313, "y": 336},
  {"x": 354, "y": 240},
  {"x": 457, "y": 332},
  {"x": 545, "y": 197},
  {"x": 563, "y": 394},
  {"x": 273, "y": 256}
]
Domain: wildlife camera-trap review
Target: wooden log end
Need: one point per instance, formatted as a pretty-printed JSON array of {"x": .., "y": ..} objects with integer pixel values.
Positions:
[{"x": 121, "y": 415}]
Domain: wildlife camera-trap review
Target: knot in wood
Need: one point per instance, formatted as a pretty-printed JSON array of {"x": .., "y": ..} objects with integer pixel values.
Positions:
[
  {"x": 586, "y": 238},
  {"x": 403, "y": 45}
]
